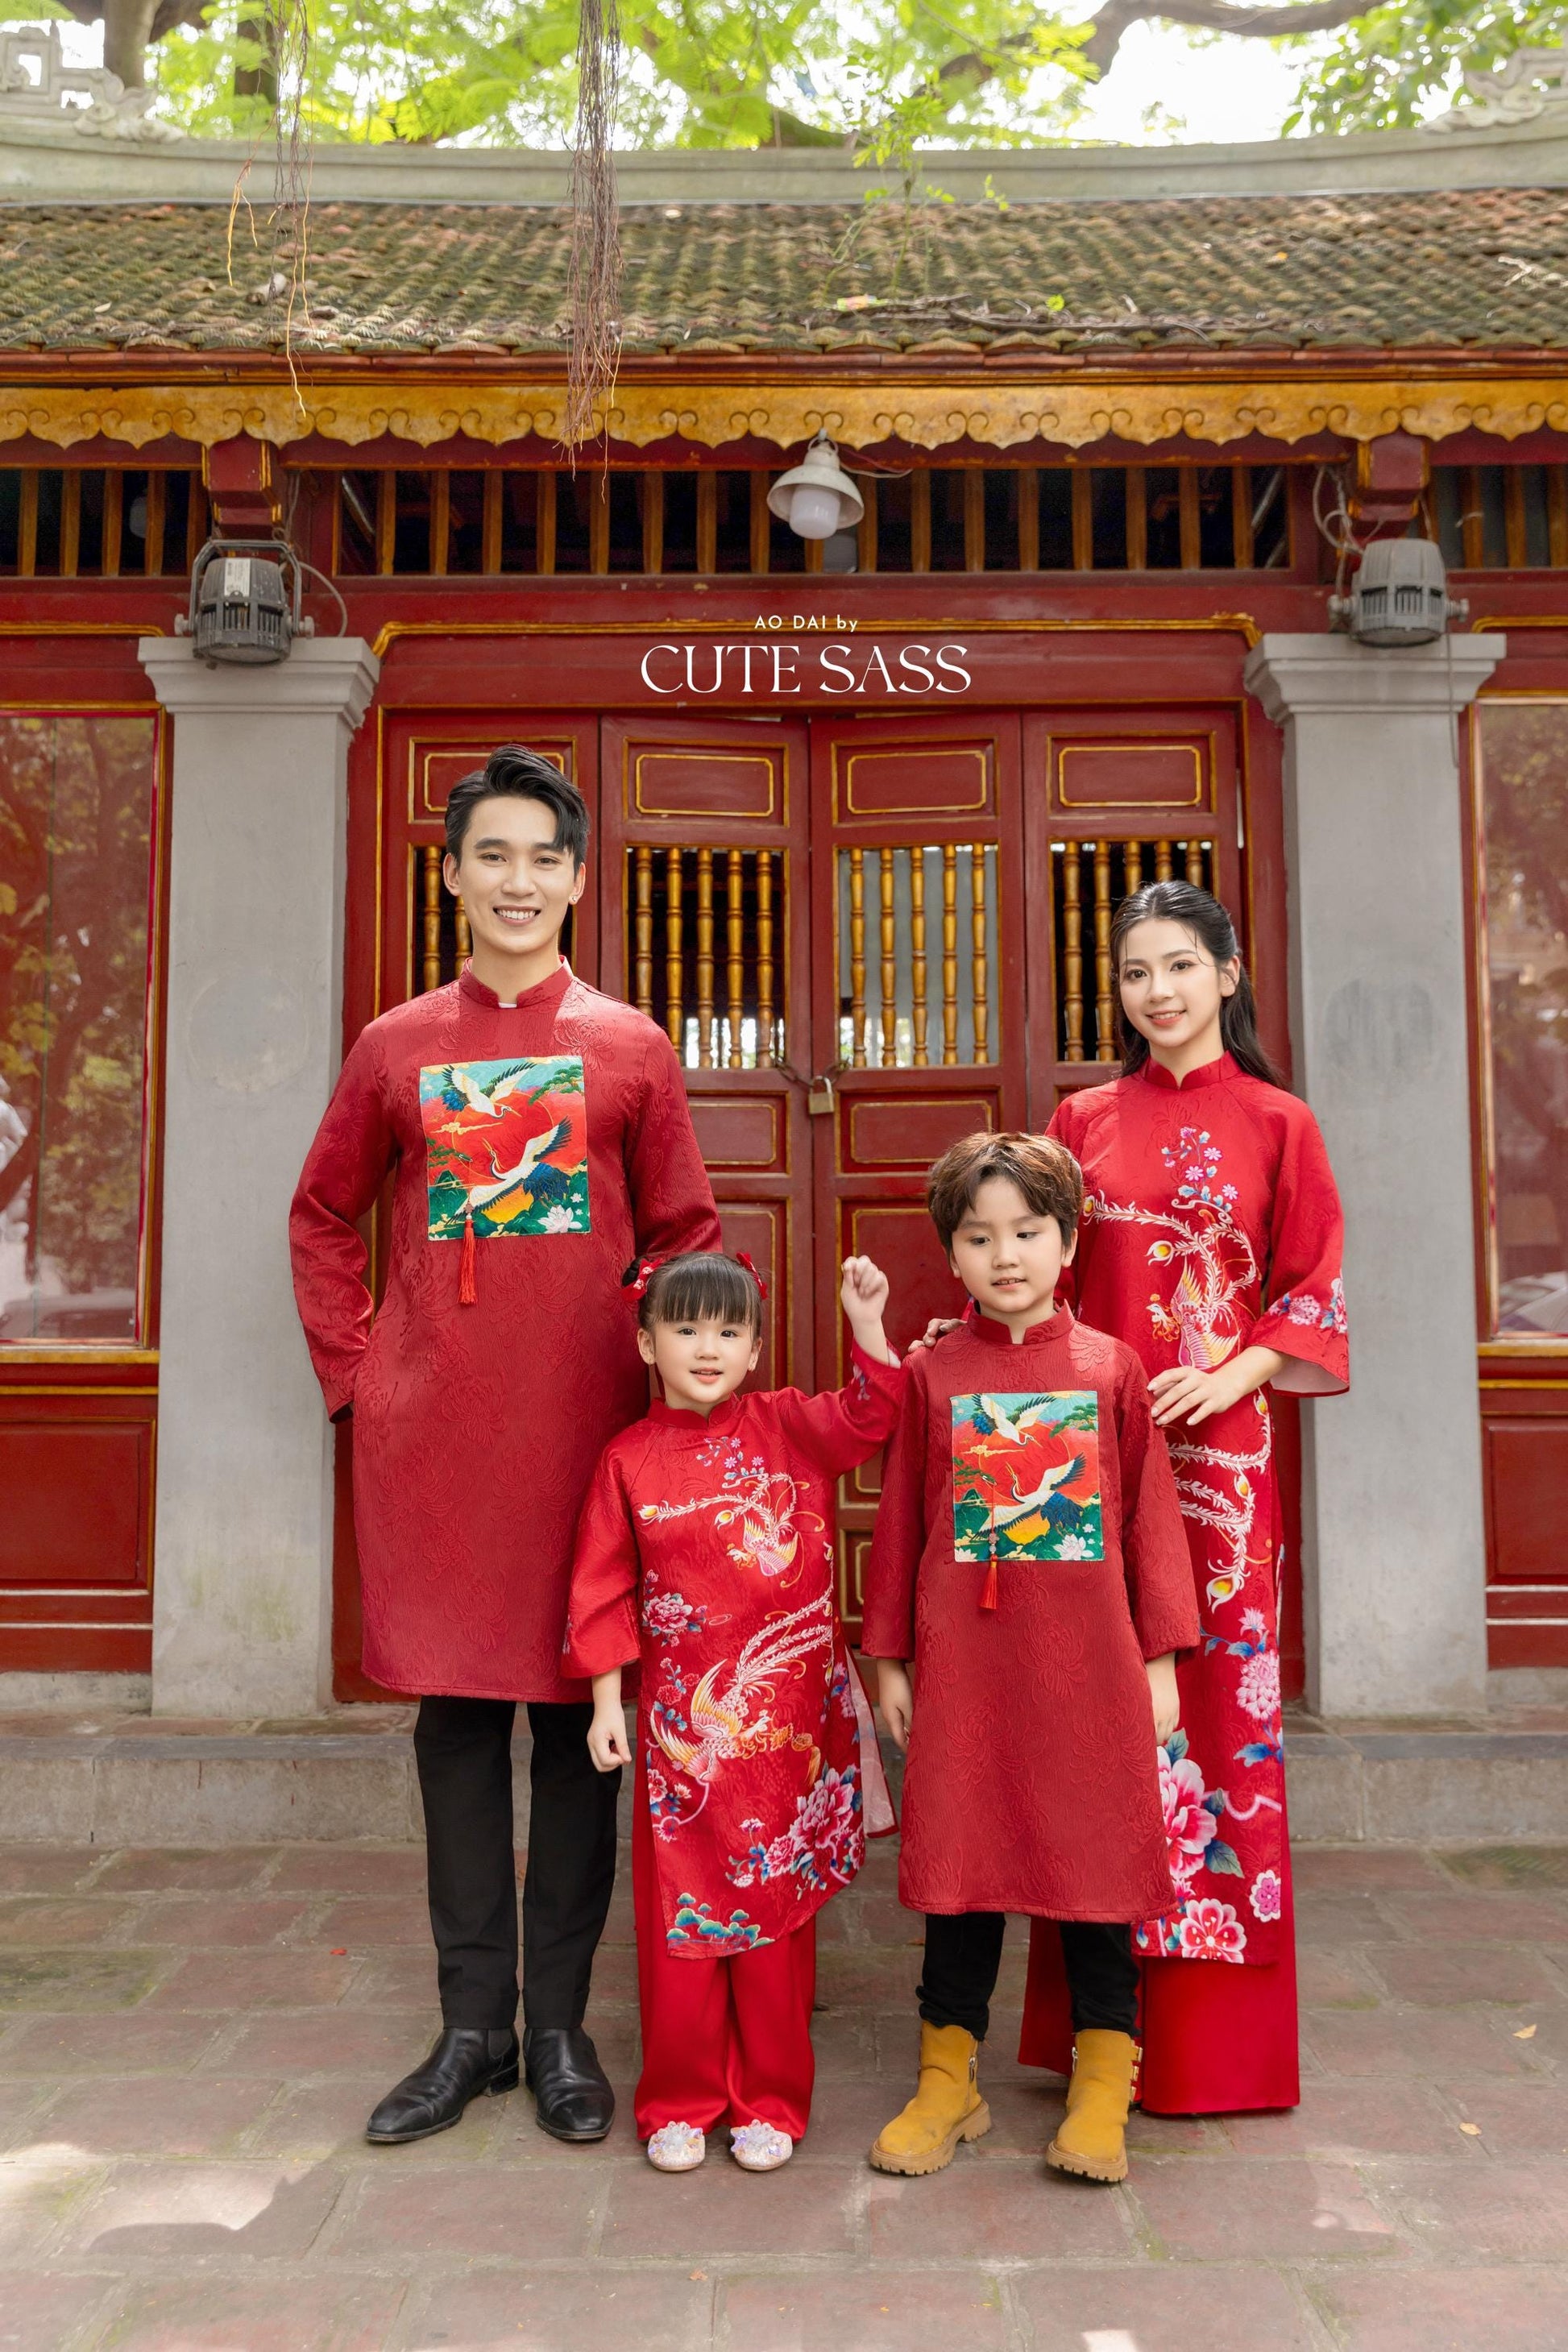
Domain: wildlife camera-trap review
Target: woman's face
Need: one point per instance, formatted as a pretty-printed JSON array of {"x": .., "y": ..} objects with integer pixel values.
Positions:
[{"x": 1171, "y": 990}]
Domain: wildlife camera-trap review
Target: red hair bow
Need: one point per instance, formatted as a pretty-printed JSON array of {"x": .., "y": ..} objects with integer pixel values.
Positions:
[
  {"x": 743, "y": 1257},
  {"x": 638, "y": 1274}
]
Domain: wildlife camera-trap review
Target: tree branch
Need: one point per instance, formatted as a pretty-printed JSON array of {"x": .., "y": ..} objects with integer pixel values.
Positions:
[{"x": 1266, "y": 24}]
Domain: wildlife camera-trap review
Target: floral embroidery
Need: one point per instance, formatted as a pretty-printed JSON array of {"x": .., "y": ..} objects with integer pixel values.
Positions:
[
  {"x": 1266, "y": 1895},
  {"x": 1208, "y": 1242},
  {"x": 1210, "y": 1930},
  {"x": 506, "y": 1147},
  {"x": 823, "y": 1845},
  {"x": 670, "y": 1614},
  {"x": 1310, "y": 1314},
  {"x": 1257, "y": 1685},
  {"x": 1026, "y": 1476},
  {"x": 761, "y": 1504}
]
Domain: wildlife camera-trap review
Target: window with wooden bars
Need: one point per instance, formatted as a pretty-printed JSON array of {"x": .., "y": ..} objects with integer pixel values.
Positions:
[
  {"x": 1499, "y": 517},
  {"x": 1089, "y": 881},
  {"x": 706, "y": 931},
  {"x": 81, "y": 522},
  {"x": 972, "y": 519},
  {"x": 917, "y": 957}
]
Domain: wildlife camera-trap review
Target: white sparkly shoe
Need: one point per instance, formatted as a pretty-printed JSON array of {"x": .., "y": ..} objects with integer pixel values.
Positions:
[
  {"x": 677, "y": 2147},
  {"x": 758, "y": 2148}
]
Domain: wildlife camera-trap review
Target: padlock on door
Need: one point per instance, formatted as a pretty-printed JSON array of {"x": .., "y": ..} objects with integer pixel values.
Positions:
[{"x": 819, "y": 1099}]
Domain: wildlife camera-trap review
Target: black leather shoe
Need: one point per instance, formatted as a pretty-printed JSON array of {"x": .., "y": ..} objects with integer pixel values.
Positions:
[
  {"x": 562, "y": 2068},
  {"x": 466, "y": 2061}
]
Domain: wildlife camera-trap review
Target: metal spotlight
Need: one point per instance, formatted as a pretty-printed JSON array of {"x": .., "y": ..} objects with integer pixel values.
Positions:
[
  {"x": 246, "y": 599},
  {"x": 1399, "y": 595},
  {"x": 817, "y": 498}
]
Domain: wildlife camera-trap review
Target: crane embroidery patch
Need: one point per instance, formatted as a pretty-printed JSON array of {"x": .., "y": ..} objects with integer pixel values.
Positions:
[
  {"x": 506, "y": 1144},
  {"x": 1026, "y": 1476}
]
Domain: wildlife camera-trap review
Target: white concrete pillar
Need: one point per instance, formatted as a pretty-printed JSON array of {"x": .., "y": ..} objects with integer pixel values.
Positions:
[
  {"x": 1395, "y": 1553},
  {"x": 242, "y": 1587}
]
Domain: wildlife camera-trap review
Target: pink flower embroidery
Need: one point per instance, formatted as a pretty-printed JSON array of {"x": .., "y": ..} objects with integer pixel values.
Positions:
[
  {"x": 1265, "y": 1894},
  {"x": 1258, "y": 1689},
  {"x": 1211, "y": 1931},
  {"x": 1189, "y": 1825}
]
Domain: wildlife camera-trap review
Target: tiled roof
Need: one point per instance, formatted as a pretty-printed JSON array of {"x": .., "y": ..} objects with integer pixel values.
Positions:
[{"x": 1468, "y": 266}]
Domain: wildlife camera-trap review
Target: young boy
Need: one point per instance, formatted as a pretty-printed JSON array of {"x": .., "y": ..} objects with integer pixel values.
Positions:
[
  {"x": 1029, "y": 1559},
  {"x": 538, "y": 1137}
]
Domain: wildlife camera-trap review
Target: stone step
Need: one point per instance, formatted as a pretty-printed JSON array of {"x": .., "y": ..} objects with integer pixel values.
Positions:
[{"x": 140, "y": 1780}]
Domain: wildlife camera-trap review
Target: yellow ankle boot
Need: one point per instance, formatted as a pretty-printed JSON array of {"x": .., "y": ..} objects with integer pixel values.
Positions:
[
  {"x": 1092, "y": 2140},
  {"x": 947, "y": 2107}
]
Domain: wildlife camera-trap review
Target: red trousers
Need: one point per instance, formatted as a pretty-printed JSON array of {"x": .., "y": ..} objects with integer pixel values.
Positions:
[
  {"x": 1217, "y": 2040},
  {"x": 722, "y": 2040}
]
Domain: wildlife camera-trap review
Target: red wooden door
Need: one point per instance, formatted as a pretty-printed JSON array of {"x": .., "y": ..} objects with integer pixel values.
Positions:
[
  {"x": 919, "y": 961},
  {"x": 704, "y": 925}
]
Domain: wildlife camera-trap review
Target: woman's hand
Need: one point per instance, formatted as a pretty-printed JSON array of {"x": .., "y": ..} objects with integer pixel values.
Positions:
[
  {"x": 1163, "y": 1695},
  {"x": 1184, "y": 1393},
  {"x": 896, "y": 1697}
]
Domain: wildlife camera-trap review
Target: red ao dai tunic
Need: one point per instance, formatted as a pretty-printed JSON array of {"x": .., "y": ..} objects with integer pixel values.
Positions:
[
  {"x": 706, "y": 1549},
  {"x": 1211, "y": 1224},
  {"x": 546, "y": 1143}
]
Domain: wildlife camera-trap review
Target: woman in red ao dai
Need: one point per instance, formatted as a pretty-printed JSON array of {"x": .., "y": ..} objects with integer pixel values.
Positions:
[{"x": 1210, "y": 1243}]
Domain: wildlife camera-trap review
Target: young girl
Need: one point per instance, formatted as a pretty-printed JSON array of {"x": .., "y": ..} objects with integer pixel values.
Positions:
[
  {"x": 706, "y": 1550},
  {"x": 1211, "y": 1243}
]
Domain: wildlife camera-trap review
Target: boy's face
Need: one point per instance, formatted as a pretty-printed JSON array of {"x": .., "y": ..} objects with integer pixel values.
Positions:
[
  {"x": 701, "y": 1362},
  {"x": 1008, "y": 1257},
  {"x": 515, "y": 885}
]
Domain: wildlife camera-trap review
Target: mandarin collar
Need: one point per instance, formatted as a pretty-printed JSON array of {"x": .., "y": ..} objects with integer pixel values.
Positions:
[
  {"x": 682, "y": 1420},
  {"x": 1210, "y": 1074},
  {"x": 991, "y": 1334},
  {"x": 544, "y": 993}
]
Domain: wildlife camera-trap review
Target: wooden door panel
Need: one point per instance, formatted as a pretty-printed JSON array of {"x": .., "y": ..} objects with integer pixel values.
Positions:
[
  {"x": 704, "y": 924},
  {"x": 919, "y": 953},
  {"x": 76, "y": 1535}
]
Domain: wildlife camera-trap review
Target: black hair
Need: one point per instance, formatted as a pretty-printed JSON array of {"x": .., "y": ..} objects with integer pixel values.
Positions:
[
  {"x": 700, "y": 1284},
  {"x": 1210, "y": 925},
  {"x": 512, "y": 773}
]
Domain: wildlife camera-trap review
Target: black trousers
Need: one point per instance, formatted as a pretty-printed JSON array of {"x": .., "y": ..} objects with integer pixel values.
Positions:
[
  {"x": 963, "y": 1954},
  {"x": 463, "y": 1748}
]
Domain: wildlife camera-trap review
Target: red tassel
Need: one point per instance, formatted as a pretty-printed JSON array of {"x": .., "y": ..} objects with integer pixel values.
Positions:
[
  {"x": 466, "y": 1294},
  {"x": 988, "y": 1590}
]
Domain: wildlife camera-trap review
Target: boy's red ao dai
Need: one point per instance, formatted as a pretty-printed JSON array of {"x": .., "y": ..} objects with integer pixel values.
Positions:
[{"x": 1033, "y": 1472}]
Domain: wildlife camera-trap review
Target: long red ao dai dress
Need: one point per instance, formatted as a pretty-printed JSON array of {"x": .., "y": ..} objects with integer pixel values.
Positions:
[
  {"x": 705, "y": 1552},
  {"x": 1211, "y": 1224}
]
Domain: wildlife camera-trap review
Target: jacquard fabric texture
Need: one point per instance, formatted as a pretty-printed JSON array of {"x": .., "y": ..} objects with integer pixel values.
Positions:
[
  {"x": 1031, "y": 1783},
  {"x": 707, "y": 1549},
  {"x": 476, "y": 1427}
]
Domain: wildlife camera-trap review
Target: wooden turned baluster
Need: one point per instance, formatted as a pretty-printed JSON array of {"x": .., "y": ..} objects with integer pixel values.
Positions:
[
  {"x": 464, "y": 937},
  {"x": 1163, "y": 863},
  {"x": 857, "y": 957},
  {"x": 918, "y": 952},
  {"x": 430, "y": 921},
  {"x": 764, "y": 959},
  {"x": 705, "y": 959},
  {"x": 643, "y": 861},
  {"x": 1131, "y": 867},
  {"x": 735, "y": 941},
  {"x": 1072, "y": 951},
  {"x": 1104, "y": 1016},
  {"x": 979, "y": 965},
  {"x": 674, "y": 964},
  {"x": 888, "y": 1054},
  {"x": 949, "y": 953},
  {"x": 1195, "y": 863}
]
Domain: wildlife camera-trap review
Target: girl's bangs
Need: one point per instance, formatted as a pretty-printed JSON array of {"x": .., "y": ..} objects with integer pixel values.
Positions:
[{"x": 693, "y": 1289}]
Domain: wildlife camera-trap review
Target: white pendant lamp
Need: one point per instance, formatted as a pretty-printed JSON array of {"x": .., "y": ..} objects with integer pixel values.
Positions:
[{"x": 817, "y": 498}]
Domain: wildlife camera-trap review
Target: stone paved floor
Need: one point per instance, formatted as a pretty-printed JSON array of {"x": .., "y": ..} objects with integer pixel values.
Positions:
[{"x": 189, "y": 2044}]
